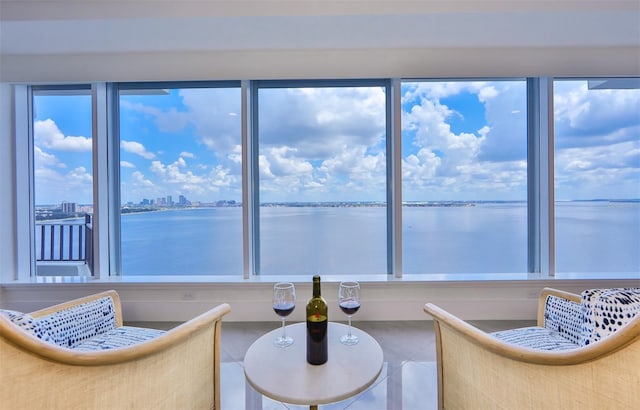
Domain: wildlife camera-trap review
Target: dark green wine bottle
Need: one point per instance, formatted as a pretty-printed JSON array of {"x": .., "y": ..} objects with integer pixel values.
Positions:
[{"x": 317, "y": 322}]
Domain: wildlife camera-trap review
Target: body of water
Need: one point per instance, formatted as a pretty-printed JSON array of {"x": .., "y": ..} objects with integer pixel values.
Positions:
[{"x": 483, "y": 238}]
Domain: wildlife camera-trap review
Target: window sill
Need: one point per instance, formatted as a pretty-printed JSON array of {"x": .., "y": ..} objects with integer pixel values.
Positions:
[{"x": 301, "y": 279}]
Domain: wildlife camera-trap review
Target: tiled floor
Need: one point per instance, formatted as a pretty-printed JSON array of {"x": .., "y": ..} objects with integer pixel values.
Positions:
[{"x": 407, "y": 381}]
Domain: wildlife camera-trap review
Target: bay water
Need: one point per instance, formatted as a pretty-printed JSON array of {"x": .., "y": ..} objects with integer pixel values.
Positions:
[{"x": 591, "y": 236}]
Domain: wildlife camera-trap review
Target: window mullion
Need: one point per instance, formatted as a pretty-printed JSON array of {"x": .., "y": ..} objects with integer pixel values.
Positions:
[
  {"x": 541, "y": 220},
  {"x": 25, "y": 206},
  {"x": 394, "y": 178},
  {"x": 250, "y": 198},
  {"x": 102, "y": 216}
]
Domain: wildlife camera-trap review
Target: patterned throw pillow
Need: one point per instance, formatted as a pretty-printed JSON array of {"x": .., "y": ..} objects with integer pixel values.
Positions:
[
  {"x": 606, "y": 311},
  {"x": 565, "y": 317},
  {"x": 27, "y": 323},
  {"x": 73, "y": 325}
]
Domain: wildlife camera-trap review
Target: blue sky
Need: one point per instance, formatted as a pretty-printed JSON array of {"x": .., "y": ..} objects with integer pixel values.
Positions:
[{"x": 461, "y": 141}]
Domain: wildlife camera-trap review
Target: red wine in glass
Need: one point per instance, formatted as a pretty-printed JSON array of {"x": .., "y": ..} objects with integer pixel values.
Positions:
[
  {"x": 284, "y": 301},
  {"x": 284, "y": 309},
  {"x": 349, "y": 302},
  {"x": 350, "y": 307}
]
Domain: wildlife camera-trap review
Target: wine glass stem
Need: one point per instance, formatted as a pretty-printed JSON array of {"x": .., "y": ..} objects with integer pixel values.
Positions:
[
  {"x": 349, "y": 317},
  {"x": 284, "y": 332}
]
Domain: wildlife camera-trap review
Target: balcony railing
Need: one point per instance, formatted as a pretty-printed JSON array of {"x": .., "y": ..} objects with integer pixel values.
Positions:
[{"x": 67, "y": 241}]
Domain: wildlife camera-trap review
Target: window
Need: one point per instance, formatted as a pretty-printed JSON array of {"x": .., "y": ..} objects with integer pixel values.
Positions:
[
  {"x": 180, "y": 179},
  {"x": 597, "y": 175},
  {"x": 322, "y": 178},
  {"x": 464, "y": 177},
  {"x": 63, "y": 180},
  {"x": 320, "y": 175}
]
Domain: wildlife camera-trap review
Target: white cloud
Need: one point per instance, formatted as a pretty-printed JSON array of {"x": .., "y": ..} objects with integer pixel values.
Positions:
[
  {"x": 319, "y": 122},
  {"x": 79, "y": 176},
  {"x": 487, "y": 93},
  {"x": 126, "y": 164},
  {"x": 322, "y": 144},
  {"x": 594, "y": 117},
  {"x": 210, "y": 112},
  {"x": 171, "y": 120},
  {"x": 356, "y": 167},
  {"x": 283, "y": 161},
  {"x": 137, "y": 148},
  {"x": 264, "y": 168},
  {"x": 44, "y": 159},
  {"x": 48, "y": 135},
  {"x": 420, "y": 168},
  {"x": 597, "y": 143},
  {"x": 185, "y": 154},
  {"x": 59, "y": 176},
  {"x": 434, "y": 134},
  {"x": 176, "y": 177},
  {"x": 139, "y": 181},
  {"x": 621, "y": 155},
  {"x": 140, "y": 187},
  {"x": 220, "y": 177},
  {"x": 489, "y": 163},
  {"x": 75, "y": 185}
]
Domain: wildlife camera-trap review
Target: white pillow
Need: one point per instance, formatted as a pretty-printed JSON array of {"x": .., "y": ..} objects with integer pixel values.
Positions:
[
  {"x": 27, "y": 323},
  {"x": 607, "y": 310}
]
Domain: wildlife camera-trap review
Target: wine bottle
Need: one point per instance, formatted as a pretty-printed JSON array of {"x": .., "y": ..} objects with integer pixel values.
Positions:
[{"x": 317, "y": 322}]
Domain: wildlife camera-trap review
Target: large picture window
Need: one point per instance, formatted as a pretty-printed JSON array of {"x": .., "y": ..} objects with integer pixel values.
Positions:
[
  {"x": 63, "y": 180},
  {"x": 322, "y": 178},
  {"x": 180, "y": 179},
  {"x": 597, "y": 175},
  {"x": 464, "y": 177},
  {"x": 295, "y": 177}
]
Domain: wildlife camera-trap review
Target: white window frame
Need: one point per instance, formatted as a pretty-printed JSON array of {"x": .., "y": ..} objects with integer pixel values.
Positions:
[{"x": 540, "y": 170}]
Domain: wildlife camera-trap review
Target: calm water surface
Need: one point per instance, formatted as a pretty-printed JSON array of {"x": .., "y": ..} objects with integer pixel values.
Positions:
[{"x": 485, "y": 238}]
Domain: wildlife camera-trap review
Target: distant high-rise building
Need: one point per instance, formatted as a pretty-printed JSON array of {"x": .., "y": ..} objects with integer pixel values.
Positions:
[
  {"x": 68, "y": 207},
  {"x": 182, "y": 200},
  {"x": 169, "y": 200}
]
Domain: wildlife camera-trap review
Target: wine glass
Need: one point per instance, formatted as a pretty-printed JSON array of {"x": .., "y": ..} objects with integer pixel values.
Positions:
[
  {"x": 284, "y": 301},
  {"x": 349, "y": 301}
]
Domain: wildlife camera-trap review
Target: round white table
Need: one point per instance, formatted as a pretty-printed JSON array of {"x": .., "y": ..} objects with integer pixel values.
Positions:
[{"x": 283, "y": 374}]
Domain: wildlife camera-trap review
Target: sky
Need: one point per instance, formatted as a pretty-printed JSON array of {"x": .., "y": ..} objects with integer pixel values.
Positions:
[{"x": 463, "y": 140}]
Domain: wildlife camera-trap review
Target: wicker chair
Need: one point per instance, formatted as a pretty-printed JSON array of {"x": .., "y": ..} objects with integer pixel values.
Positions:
[
  {"x": 78, "y": 355},
  {"x": 575, "y": 358}
]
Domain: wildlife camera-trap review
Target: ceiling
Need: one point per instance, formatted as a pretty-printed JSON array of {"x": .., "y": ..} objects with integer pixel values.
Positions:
[{"x": 58, "y": 40}]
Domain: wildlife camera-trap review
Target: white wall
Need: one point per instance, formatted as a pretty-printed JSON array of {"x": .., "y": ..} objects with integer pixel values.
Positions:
[
  {"x": 251, "y": 300},
  {"x": 294, "y": 64},
  {"x": 159, "y": 40}
]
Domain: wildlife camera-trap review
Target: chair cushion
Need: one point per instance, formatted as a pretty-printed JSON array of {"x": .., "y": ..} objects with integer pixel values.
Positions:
[
  {"x": 606, "y": 311},
  {"x": 565, "y": 317},
  {"x": 119, "y": 337},
  {"x": 28, "y": 324},
  {"x": 70, "y": 327},
  {"x": 534, "y": 337}
]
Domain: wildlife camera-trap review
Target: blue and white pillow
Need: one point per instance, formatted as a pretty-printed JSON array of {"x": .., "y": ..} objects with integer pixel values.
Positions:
[
  {"x": 606, "y": 311},
  {"x": 565, "y": 317},
  {"x": 28, "y": 324},
  {"x": 70, "y": 327}
]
